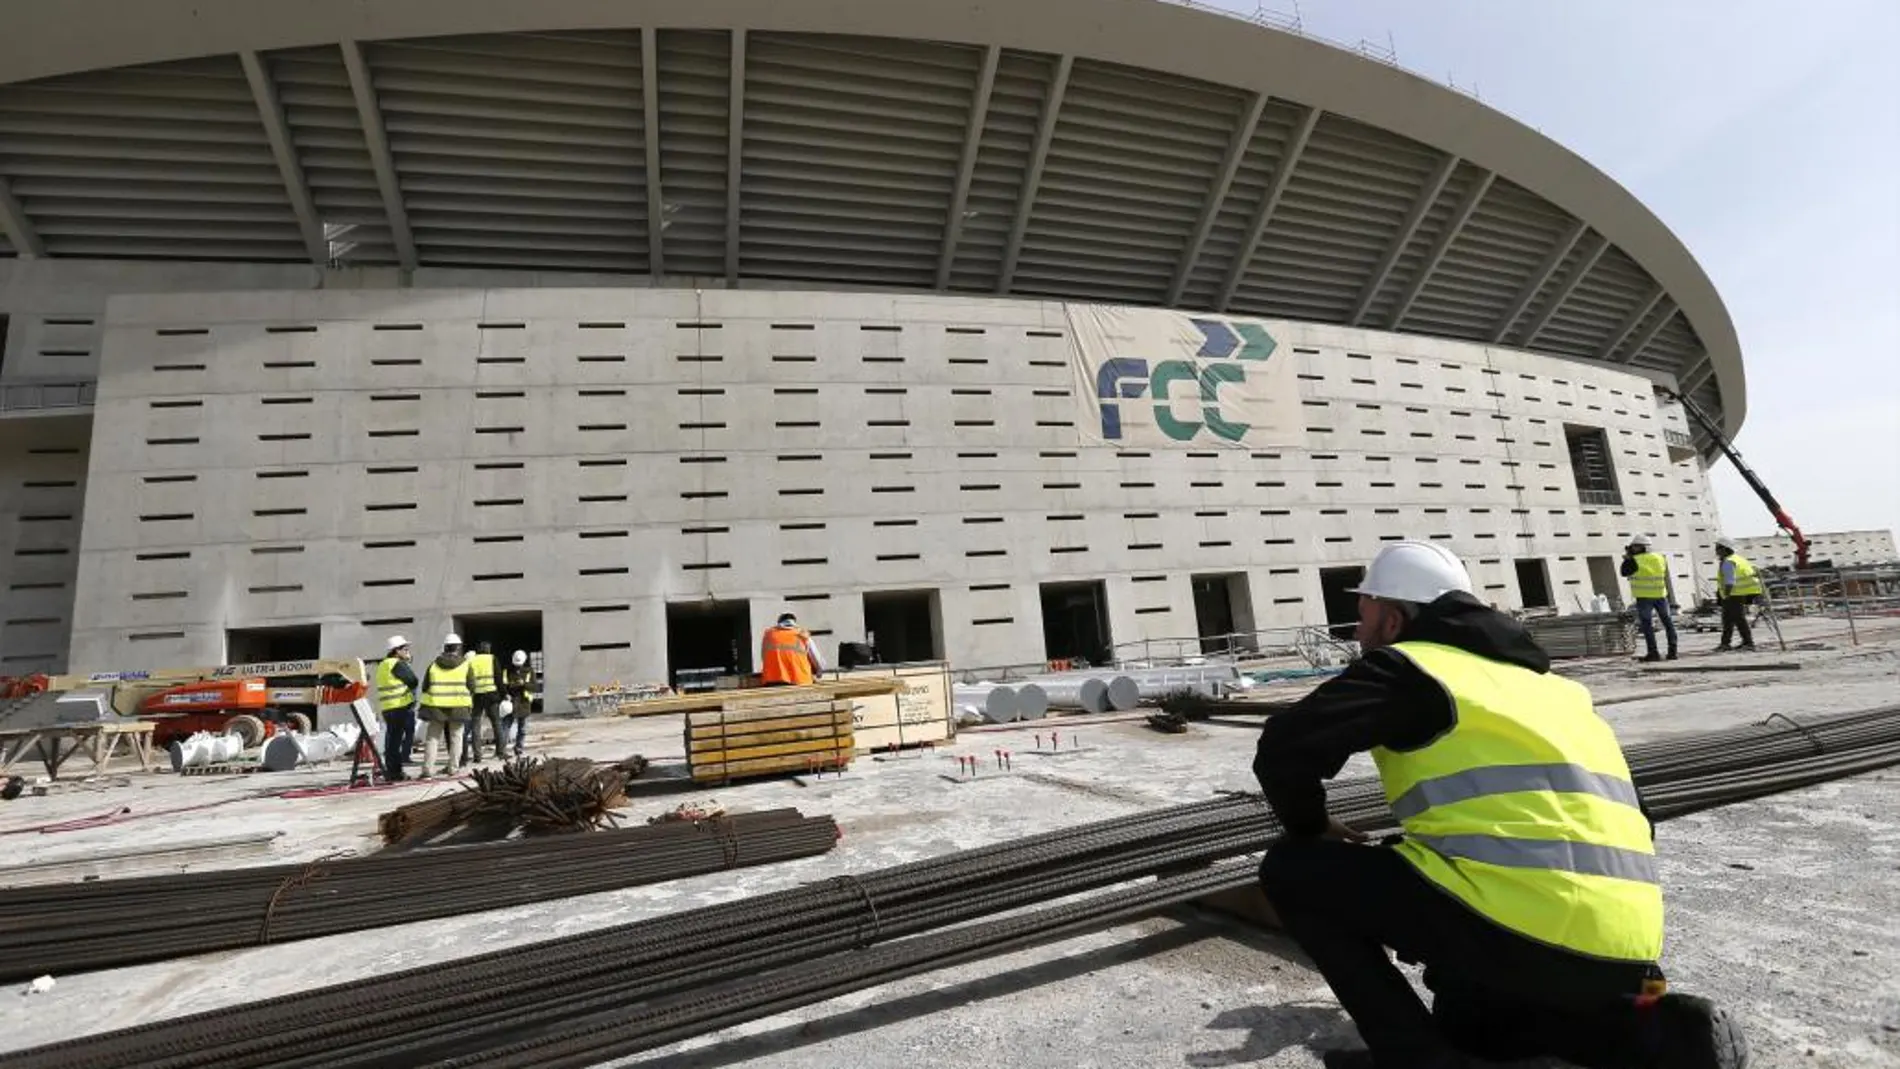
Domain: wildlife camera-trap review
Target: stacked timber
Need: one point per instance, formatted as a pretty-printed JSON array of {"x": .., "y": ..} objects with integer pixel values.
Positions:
[{"x": 765, "y": 731}]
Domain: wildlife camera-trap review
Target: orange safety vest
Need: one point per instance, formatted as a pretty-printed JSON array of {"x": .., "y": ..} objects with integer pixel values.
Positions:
[{"x": 785, "y": 658}]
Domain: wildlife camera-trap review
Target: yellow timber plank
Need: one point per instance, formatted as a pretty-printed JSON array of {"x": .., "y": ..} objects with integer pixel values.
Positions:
[{"x": 737, "y": 743}]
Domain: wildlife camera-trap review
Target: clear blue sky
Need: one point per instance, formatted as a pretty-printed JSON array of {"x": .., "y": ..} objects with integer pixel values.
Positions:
[{"x": 1767, "y": 136}]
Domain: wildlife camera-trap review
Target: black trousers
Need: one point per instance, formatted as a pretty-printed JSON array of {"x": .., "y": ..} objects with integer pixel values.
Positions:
[
  {"x": 1497, "y": 995},
  {"x": 1735, "y": 618},
  {"x": 399, "y": 738},
  {"x": 487, "y": 708}
]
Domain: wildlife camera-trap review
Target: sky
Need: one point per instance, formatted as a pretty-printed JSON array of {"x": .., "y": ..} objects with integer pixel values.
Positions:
[{"x": 1766, "y": 135}]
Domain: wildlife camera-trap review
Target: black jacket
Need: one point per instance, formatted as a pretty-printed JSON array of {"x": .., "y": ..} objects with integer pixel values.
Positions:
[
  {"x": 1382, "y": 699},
  {"x": 407, "y": 675}
]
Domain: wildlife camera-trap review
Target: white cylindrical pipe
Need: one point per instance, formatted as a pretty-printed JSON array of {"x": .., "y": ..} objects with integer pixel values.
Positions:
[
  {"x": 1121, "y": 693},
  {"x": 285, "y": 752},
  {"x": 1032, "y": 701},
  {"x": 1086, "y": 693},
  {"x": 204, "y": 748},
  {"x": 996, "y": 703}
]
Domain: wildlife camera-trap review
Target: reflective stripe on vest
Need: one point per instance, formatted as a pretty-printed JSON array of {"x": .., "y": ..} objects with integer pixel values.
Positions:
[
  {"x": 1746, "y": 580},
  {"x": 1651, "y": 580},
  {"x": 448, "y": 688},
  {"x": 1524, "y": 810},
  {"x": 483, "y": 665},
  {"x": 785, "y": 658},
  {"x": 391, "y": 693}
]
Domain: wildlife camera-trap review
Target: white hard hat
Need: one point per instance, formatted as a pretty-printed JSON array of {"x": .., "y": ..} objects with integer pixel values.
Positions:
[
  {"x": 451, "y": 639},
  {"x": 1639, "y": 540},
  {"x": 1414, "y": 571},
  {"x": 395, "y": 642},
  {"x": 506, "y": 708},
  {"x": 520, "y": 658},
  {"x": 1724, "y": 543}
]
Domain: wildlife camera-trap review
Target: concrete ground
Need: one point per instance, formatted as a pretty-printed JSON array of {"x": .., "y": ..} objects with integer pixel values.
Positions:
[{"x": 1783, "y": 909}]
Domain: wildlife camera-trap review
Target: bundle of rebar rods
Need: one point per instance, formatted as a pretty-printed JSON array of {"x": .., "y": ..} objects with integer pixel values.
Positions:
[
  {"x": 607, "y": 994},
  {"x": 413, "y": 823},
  {"x": 69, "y": 928},
  {"x": 560, "y": 794}
]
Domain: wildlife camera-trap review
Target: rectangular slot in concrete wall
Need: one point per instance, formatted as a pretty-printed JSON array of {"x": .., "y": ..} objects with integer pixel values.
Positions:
[
  {"x": 1342, "y": 605},
  {"x": 1533, "y": 583},
  {"x": 255, "y": 645},
  {"x": 1223, "y": 612},
  {"x": 1075, "y": 622},
  {"x": 708, "y": 635},
  {"x": 904, "y": 625}
]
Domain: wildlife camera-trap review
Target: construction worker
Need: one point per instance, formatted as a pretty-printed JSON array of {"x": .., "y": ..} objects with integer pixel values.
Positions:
[
  {"x": 487, "y": 705},
  {"x": 517, "y": 689},
  {"x": 1737, "y": 585},
  {"x": 448, "y": 700},
  {"x": 396, "y": 687},
  {"x": 787, "y": 655},
  {"x": 1525, "y": 882},
  {"x": 1648, "y": 574}
]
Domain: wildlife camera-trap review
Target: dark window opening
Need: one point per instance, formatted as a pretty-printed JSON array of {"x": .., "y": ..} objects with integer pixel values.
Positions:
[
  {"x": 1223, "y": 613},
  {"x": 1592, "y": 465},
  {"x": 1075, "y": 622},
  {"x": 706, "y": 640},
  {"x": 255, "y": 645},
  {"x": 1533, "y": 583},
  {"x": 904, "y": 625},
  {"x": 1342, "y": 605}
]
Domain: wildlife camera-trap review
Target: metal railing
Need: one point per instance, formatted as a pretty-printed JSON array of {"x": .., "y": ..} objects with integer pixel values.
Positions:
[
  {"x": 1294, "y": 24},
  {"x": 30, "y": 396},
  {"x": 1611, "y": 498}
]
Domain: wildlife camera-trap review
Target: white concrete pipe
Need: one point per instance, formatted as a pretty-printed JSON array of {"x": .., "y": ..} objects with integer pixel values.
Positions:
[
  {"x": 1122, "y": 694},
  {"x": 203, "y": 749},
  {"x": 285, "y": 752},
  {"x": 1032, "y": 701},
  {"x": 1209, "y": 680},
  {"x": 1087, "y": 693},
  {"x": 993, "y": 701}
]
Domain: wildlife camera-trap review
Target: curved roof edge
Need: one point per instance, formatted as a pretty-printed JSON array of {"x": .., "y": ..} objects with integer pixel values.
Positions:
[{"x": 75, "y": 35}]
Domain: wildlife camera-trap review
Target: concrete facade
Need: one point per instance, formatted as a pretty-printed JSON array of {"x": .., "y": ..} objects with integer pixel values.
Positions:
[
  {"x": 1845, "y": 549},
  {"x": 385, "y": 460}
]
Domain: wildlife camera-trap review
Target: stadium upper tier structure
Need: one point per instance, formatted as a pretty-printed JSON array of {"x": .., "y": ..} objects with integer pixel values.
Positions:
[{"x": 1002, "y": 332}]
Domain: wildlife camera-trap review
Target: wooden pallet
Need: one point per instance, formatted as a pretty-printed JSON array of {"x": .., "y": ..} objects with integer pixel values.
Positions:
[
  {"x": 824, "y": 690},
  {"x": 789, "y": 733}
]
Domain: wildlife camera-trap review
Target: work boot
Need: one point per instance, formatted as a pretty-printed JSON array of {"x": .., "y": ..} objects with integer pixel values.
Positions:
[
  {"x": 1748, "y": 647},
  {"x": 1672, "y": 655},
  {"x": 1723, "y": 648},
  {"x": 1651, "y": 657},
  {"x": 1693, "y": 1033}
]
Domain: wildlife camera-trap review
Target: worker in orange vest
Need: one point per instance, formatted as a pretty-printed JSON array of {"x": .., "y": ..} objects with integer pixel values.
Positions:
[{"x": 787, "y": 656}]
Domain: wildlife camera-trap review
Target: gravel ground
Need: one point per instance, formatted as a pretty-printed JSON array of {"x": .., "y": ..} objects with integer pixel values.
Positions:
[{"x": 1782, "y": 908}]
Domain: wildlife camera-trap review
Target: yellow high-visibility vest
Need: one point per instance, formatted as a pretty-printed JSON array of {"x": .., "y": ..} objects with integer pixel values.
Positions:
[
  {"x": 483, "y": 665},
  {"x": 449, "y": 688},
  {"x": 1525, "y": 812},
  {"x": 391, "y": 693},
  {"x": 1651, "y": 581},
  {"x": 1747, "y": 580}
]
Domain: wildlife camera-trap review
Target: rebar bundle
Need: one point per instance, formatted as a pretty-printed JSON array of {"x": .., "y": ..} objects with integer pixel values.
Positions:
[
  {"x": 68, "y": 928},
  {"x": 607, "y": 994},
  {"x": 560, "y": 794},
  {"x": 416, "y": 822}
]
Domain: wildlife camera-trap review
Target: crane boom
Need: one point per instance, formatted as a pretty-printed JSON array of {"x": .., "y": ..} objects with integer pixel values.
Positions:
[{"x": 1780, "y": 514}]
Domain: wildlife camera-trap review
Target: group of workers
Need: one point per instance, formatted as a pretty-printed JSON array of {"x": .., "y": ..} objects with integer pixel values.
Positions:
[
  {"x": 1737, "y": 587},
  {"x": 452, "y": 698},
  {"x": 1525, "y": 879}
]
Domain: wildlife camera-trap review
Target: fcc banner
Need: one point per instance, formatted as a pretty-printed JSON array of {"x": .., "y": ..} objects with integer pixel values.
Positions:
[{"x": 1148, "y": 378}]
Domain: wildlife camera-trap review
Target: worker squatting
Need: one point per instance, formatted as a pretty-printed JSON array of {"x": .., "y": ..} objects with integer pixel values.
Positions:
[{"x": 1525, "y": 881}]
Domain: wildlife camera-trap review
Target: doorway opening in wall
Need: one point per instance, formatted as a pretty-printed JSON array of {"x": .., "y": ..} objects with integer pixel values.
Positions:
[
  {"x": 255, "y": 645},
  {"x": 1592, "y": 465},
  {"x": 1342, "y": 605},
  {"x": 1605, "y": 580},
  {"x": 3, "y": 343},
  {"x": 505, "y": 632},
  {"x": 1075, "y": 622},
  {"x": 1223, "y": 613},
  {"x": 706, "y": 640},
  {"x": 1533, "y": 582},
  {"x": 904, "y": 625}
]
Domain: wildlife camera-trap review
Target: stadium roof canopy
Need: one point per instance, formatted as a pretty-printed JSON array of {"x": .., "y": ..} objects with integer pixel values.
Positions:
[{"x": 1130, "y": 151}]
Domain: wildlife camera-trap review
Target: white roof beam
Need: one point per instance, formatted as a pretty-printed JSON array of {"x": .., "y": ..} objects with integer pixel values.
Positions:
[
  {"x": 1635, "y": 316},
  {"x": 972, "y": 141},
  {"x": 270, "y": 108},
  {"x": 1428, "y": 196},
  {"x": 1032, "y": 178},
  {"x": 1665, "y": 311},
  {"x": 1453, "y": 227},
  {"x": 1539, "y": 280},
  {"x": 1217, "y": 195},
  {"x": 1563, "y": 292},
  {"x": 370, "y": 114},
  {"x": 1269, "y": 203},
  {"x": 650, "y": 133},
  {"x": 19, "y": 229},
  {"x": 735, "y": 152}
]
